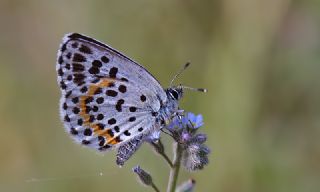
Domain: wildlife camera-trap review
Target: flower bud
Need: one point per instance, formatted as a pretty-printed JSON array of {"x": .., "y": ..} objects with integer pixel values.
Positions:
[
  {"x": 199, "y": 138},
  {"x": 143, "y": 176}
]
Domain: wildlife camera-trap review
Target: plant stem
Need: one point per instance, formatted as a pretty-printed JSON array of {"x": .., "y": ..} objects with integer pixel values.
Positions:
[
  {"x": 167, "y": 159},
  {"x": 155, "y": 188},
  {"x": 165, "y": 156},
  {"x": 161, "y": 152},
  {"x": 174, "y": 172}
]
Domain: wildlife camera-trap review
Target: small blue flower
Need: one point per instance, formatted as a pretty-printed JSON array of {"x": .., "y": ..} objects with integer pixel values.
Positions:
[
  {"x": 189, "y": 120},
  {"x": 175, "y": 123},
  {"x": 195, "y": 120}
]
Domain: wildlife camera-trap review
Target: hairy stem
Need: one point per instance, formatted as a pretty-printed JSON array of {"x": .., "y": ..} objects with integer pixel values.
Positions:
[
  {"x": 174, "y": 172},
  {"x": 165, "y": 156},
  {"x": 160, "y": 150}
]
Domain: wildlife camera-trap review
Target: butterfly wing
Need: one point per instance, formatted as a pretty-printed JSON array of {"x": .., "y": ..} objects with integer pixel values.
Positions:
[{"x": 107, "y": 99}]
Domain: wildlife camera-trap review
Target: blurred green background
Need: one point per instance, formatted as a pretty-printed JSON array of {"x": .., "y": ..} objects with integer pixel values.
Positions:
[{"x": 258, "y": 59}]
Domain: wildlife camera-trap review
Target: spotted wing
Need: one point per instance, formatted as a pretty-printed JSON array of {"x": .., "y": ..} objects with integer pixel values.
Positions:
[{"x": 107, "y": 99}]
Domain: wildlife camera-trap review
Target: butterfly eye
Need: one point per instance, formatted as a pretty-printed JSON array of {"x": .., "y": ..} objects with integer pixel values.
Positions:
[{"x": 174, "y": 93}]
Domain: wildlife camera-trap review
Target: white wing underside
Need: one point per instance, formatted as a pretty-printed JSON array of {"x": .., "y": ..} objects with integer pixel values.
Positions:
[{"x": 107, "y": 99}]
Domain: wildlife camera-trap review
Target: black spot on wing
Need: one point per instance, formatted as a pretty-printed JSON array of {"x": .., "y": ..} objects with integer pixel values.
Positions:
[
  {"x": 112, "y": 121},
  {"x": 65, "y": 106},
  {"x": 87, "y": 132},
  {"x": 73, "y": 131},
  {"x": 100, "y": 116},
  {"x": 84, "y": 89},
  {"x": 132, "y": 109},
  {"x": 63, "y": 85},
  {"x": 122, "y": 88},
  {"x": 95, "y": 108},
  {"x": 85, "y": 142},
  {"x": 96, "y": 63},
  {"x": 80, "y": 122},
  {"x": 75, "y": 45},
  {"x": 60, "y": 72},
  {"x": 131, "y": 119},
  {"x": 143, "y": 98},
  {"x": 79, "y": 58},
  {"x": 67, "y": 118},
  {"x": 101, "y": 141},
  {"x": 60, "y": 60},
  {"x": 111, "y": 93},
  {"x": 75, "y": 100},
  {"x": 94, "y": 70},
  {"x": 113, "y": 72},
  {"x": 124, "y": 79},
  {"x": 91, "y": 118},
  {"x": 100, "y": 100},
  {"x": 63, "y": 47},
  {"x": 117, "y": 129},
  {"x": 68, "y": 94},
  {"x": 68, "y": 56},
  {"x": 119, "y": 105},
  {"x": 105, "y": 59},
  {"x": 68, "y": 66},
  {"x": 76, "y": 110},
  {"x": 69, "y": 77},
  {"x": 77, "y": 67},
  {"x": 127, "y": 133},
  {"x": 85, "y": 49},
  {"x": 78, "y": 78}
]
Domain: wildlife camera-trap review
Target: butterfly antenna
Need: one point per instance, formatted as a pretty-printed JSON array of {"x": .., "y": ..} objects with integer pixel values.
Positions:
[
  {"x": 194, "y": 89},
  {"x": 179, "y": 72}
]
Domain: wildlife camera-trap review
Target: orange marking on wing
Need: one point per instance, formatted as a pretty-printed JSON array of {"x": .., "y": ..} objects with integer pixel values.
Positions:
[
  {"x": 109, "y": 138},
  {"x": 104, "y": 133},
  {"x": 105, "y": 82},
  {"x": 83, "y": 109},
  {"x": 92, "y": 89},
  {"x": 95, "y": 127},
  {"x": 113, "y": 141}
]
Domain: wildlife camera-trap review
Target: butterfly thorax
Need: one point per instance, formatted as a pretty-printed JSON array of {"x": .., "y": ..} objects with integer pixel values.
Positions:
[{"x": 171, "y": 107}]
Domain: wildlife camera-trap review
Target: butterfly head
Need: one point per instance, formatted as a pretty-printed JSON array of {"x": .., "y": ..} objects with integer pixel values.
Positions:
[{"x": 175, "y": 93}]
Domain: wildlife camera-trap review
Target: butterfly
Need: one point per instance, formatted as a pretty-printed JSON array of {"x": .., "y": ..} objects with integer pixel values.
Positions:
[{"x": 108, "y": 99}]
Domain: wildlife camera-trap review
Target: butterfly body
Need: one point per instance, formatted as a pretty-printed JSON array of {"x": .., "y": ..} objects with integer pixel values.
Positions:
[
  {"x": 108, "y": 99},
  {"x": 171, "y": 107}
]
